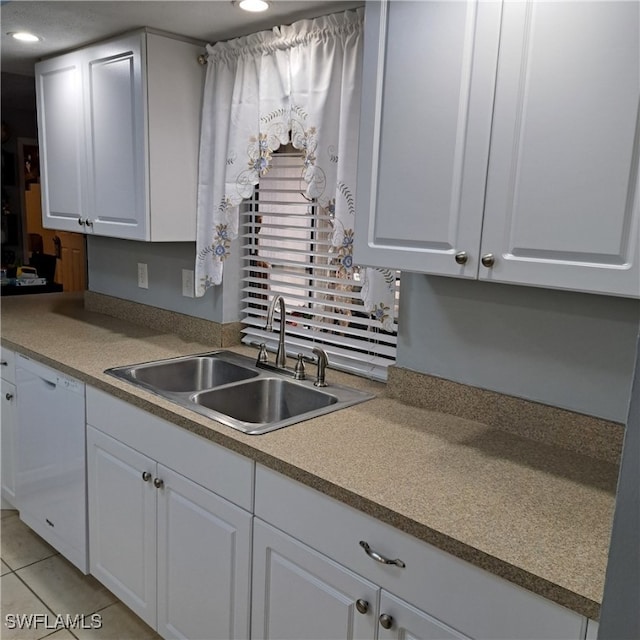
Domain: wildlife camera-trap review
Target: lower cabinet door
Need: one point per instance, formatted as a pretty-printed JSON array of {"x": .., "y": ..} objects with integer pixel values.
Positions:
[
  {"x": 299, "y": 594},
  {"x": 399, "y": 620},
  {"x": 122, "y": 522},
  {"x": 204, "y": 562},
  {"x": 7, "y": 435}
]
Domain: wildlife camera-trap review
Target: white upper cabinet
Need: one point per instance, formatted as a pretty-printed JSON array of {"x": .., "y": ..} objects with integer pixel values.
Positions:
[
  {"x": 114, "y": 95},
  {"x": 61, "y": 138},
  {"x": 500, "y": 141},
  {"x": 119, "y": 129},
  {"x": 562, "y": 206},
  {"x": 429, "y": 75}
]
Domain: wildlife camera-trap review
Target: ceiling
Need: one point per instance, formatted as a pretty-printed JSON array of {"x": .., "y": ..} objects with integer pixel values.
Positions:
[{"x": 64, "y": 25}]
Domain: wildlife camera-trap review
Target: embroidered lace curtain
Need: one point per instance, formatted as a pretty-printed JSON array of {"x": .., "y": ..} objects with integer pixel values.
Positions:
[{"x": 300, "y": 84}]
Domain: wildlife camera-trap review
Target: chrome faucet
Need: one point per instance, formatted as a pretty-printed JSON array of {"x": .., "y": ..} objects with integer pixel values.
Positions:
[
  {"x": 281, "y": 355},
  {"x": 323, "y": 361}
]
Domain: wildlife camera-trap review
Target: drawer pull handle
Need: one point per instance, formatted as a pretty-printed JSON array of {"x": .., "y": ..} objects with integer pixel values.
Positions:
[
  {"x": 9, "y": 396},
  {"x": 378, "y": 558},
  {"x": 4, "y": 363}
]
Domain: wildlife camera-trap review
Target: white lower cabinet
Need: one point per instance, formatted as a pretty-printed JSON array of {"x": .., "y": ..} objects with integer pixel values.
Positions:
[
  {"x": 400, "y": 620},
  {"x": 7, "y": 429},
  {"x": 300, "y": 594},
  {"x": 122, "y": 522},
  {"x": 423, "y": 593},
  {"x": 171, "y": 549}
]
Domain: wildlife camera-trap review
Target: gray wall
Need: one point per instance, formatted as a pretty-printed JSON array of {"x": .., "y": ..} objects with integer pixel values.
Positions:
[
  {"x": 113, "y": 270},
  {"x": 620, "y": 615},
  {"x": 565, "y": 349}
]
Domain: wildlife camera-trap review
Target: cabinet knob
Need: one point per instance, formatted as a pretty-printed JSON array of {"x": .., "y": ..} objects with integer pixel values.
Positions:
[
  {"x": 4, "y": 363},
  {"x": 81, "y": 221},
  {"x": 362, "y": 605},
  {"x": 158, "y": 483},
  {"x": 386, "y": 621},
  {"x": 462, "y": 257},
  {"x": 9, "y": 396},
  {"x": 89, "y": 223},
  {"x": 146, "y": 476},
  {"x": 488, "y": 260}
]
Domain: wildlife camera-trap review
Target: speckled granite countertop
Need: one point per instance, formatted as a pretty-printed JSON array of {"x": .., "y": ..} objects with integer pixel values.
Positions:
[{"x": 537, "y": 515}]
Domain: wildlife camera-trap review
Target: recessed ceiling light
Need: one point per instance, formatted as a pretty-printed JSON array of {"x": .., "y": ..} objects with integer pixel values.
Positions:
[
  {"x": 254, "y": 6},
  {"x": 24, "y": 36}
]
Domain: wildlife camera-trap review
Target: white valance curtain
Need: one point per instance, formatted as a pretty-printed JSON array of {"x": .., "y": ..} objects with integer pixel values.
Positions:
[{"x": 301, "y": 84}]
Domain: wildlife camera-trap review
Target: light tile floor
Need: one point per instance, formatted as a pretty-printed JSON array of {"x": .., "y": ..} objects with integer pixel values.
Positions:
[{"x": 36, "y": 579}]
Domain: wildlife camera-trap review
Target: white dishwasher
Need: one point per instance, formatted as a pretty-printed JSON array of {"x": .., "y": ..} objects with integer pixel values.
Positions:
[{"x": 50, "y": 458}]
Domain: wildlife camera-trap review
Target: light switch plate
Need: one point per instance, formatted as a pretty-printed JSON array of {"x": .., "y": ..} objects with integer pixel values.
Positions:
[
  {"x": 188, "y": 289},
  {"x": 143, "y": 276}
]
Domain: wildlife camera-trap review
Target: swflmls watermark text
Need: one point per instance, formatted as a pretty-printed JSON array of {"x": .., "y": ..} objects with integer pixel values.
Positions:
[{"x": 52, "y": 622}]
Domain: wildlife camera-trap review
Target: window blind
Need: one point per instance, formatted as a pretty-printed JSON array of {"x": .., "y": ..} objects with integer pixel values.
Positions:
[{"x": 287, "y": 251}]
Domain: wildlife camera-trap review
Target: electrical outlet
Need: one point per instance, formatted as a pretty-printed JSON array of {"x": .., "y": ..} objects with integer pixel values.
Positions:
[
  {"x": 188, "y": 288},
  {"x": 143, "y": 276}
]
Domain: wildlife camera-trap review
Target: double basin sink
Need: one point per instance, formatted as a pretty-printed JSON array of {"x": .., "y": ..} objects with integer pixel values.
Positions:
[{"x": 232, "y": 389}]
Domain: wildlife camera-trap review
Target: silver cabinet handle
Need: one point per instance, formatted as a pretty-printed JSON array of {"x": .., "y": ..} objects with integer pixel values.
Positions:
[
  {"x": 378, "y": 558},
  {"x": 362, "y": 606},
  {"x": 89, "y": 223},
  {"x": 146, "y": 476},
  {"x": 158, "y": 483},
  {"x": 81, "y": 222},
  {"x": 386, "y": 621},
  {"x": 4, "y": 363},
  {"x": 488, "y": 260},
  {"x": 9, "y": 396},
  {"x": 461, "y": 257}
]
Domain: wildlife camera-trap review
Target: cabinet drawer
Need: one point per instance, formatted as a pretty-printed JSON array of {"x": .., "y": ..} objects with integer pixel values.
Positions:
[
  {"x": 8, "y": 366},
  {"x": 224, "y": 472},
  {"x": 455, "y": 592}
]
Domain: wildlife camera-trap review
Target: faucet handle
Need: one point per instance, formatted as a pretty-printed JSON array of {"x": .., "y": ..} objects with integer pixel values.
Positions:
[
  {"x": 262, "y": 354},
  {"x": 323, "y": 362},
  {"x": 299, "y": 373}
]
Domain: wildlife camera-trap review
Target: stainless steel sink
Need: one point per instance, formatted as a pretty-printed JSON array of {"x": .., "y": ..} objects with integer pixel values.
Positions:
[
  {"x": 231, "y": 389},
  {"x": 189, "y": 374},
  {"x": 265, "y": 400}
]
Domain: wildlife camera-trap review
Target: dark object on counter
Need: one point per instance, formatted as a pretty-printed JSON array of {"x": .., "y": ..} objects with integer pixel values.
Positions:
[
  {"x": 13, "y": 290},
  {"x": 44, "y": 264}
]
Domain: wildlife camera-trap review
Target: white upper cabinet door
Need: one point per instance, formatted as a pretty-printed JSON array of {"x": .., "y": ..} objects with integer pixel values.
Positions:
[
  {"x": 299, "y": 594},
  {"x": 115, "y": 105},
  {"x": 401, "y": 621},
  {"x": 61, "y": 141},
  {"x": 429, "y": 76},
  {"x": 562, "y": 204},
  {"x": 204, "y": 562}
]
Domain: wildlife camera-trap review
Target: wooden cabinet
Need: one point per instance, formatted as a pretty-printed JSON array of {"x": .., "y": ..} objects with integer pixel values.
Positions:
[
  {"x": 119, "y": 134},
  {"x": 174, "y": 551},
  {"x": 428, "y": 593},
  {"x": 7, "y": 428},
  {"x": 500, "y": 142}
]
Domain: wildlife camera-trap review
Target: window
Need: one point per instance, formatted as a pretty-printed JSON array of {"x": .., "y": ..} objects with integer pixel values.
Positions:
[{"x": 287, "y": 251}]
